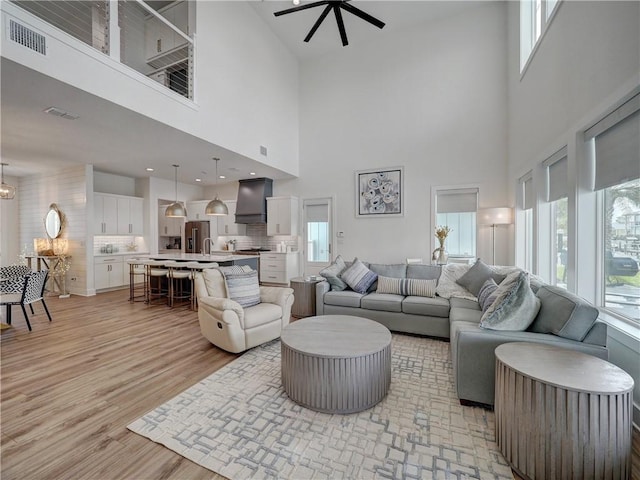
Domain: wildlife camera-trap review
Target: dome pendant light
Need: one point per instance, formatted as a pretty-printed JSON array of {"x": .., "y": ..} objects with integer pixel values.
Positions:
[
  {"x": 216, "y": 206},
  {"x": 7, "y": 192},
  {"x": 176, "y": 209}
]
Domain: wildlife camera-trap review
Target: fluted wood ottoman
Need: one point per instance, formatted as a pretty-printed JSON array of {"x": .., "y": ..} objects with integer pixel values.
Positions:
[
  {"x": 336, "y": 363},
  {"x": 562, "y": 414}
]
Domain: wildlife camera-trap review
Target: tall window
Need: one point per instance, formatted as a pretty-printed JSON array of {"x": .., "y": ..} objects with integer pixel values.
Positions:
[
  {"x": 557, "y": 193},
  {"x": 526, "y": 205},
  {"x": 317, "y": 231},
  {"x": 457, "y": 210},
  {"x": 616, "y": 142},
  {"x": 535, "y": 17}
]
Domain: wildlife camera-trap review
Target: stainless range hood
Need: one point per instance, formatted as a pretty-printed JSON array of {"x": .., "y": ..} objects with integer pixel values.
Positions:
[{"x": 252, "y": 200}]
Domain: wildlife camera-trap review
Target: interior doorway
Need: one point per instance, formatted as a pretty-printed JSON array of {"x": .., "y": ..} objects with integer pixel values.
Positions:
[{"x": 318, "y": 234}]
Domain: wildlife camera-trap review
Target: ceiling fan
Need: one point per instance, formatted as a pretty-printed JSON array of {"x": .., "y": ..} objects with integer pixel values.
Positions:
[{"x": 336, "y": 6}]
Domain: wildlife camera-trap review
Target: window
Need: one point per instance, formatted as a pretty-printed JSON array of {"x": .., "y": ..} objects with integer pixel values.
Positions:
[
  {"x": 535, "y": 17},
  {"x": 557, "y": 194},
  {"x": 318, "y": 236},
  {"x": 457, "y": 210},
  {"x": 525, "y": 235},
  {"x": 616, "y": 143}
]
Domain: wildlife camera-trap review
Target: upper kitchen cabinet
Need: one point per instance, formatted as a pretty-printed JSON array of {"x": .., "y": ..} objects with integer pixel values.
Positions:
[
  {"x": 169, "y": 226},
  {"x": 227, "y": 224},
  {"x": 196, "y": 210},
  {"x": 117, "y": 215},
  {"x": 282, "y": 216},
  {"x": 130, "y": 219},
  {"x": 105, "y": 214},
  {"x": 160, "y": 39}
]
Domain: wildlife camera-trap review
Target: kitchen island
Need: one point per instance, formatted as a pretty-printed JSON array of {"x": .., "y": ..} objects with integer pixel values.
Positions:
[{"x": 223, "y": 259}]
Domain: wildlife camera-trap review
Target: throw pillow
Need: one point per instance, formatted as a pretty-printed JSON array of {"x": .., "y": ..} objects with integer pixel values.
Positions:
[
  {"x": 447, "y": 286},
  {"x": 407, "y": 286},
  {"x": 243, "y": 287},
  {"x": 563, "y": 314},
  {"x": 514, "y": 309},
  {"x": 332, "y": 274},
  {"x": 476, "y": 276},
  {"x": 486, "y": 295},
  {"x": 359, "y": 277}
]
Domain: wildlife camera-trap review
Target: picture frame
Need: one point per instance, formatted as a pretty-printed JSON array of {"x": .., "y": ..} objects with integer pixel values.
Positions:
[{"x": 380, "y": 192}]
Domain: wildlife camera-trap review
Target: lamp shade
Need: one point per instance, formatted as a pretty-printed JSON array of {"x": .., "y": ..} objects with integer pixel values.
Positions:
[
  {"x": 216, "y": 207},
  {"x": 176, "y": 209},
  {"x": 494, "y": 216}
]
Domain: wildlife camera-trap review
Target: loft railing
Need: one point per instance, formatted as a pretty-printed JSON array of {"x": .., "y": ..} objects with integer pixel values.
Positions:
[{"x": 151, "y": 40}]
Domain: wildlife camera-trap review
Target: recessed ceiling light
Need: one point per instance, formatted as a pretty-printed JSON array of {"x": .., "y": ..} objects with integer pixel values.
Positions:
[
  {"x": 198, "y": 180},
  {"x": 222, "y": 176},
  {"x": 149, "y": 169},
  {"x": 252, "y": 173}
]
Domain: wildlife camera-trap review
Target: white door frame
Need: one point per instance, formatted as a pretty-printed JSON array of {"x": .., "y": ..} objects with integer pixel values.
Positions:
[{"x": 316, "y": 266}]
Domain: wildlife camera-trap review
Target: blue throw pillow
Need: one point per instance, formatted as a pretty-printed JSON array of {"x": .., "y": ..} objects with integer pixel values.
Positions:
[
  {"x": 332, "y": 274},
  {"x": 359, "y": 277}
]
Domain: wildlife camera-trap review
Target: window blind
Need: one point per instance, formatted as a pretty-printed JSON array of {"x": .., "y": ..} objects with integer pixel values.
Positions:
[
  {"x": 456, "y": 201},
  {"x": 317, "y": 213},
  {"x": 526, "y": 193},
  {"x": 557, "y": 175},
  {"x": 617, "y": 145}
]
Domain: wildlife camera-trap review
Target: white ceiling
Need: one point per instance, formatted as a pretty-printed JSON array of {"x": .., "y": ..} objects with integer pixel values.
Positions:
[{"x": 120, "y": 141}]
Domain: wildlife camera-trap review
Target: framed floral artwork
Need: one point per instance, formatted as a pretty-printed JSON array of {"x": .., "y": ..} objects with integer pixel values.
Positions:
[{"x": 379, "y": 192}]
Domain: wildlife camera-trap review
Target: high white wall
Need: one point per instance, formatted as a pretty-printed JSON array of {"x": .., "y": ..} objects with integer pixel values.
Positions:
[
  {"x": 431, "y": 99},
  {"x": 246, "y": 84}
]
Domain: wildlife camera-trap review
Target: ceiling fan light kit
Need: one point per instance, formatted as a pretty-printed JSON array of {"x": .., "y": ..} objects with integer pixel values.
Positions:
[{"x": 337, "y": 6}]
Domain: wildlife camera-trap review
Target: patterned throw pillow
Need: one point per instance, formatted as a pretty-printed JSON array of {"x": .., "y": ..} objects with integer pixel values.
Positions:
[
  {"x": 514, "y": 309},
  {"x": 332, "y": 274},
  {"x": 407, "y": 286},
  {"x": 242, "y": 287},
  {"x": 486, "y": 295},
  {"x": 359, "y": 277}
]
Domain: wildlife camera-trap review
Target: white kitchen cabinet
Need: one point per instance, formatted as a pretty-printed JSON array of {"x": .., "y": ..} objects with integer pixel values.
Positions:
[
  {"x": 278, "y": 268},
  {"x": 169, "y": 226},
  {"x": 196, "y": 210},
  {"x": 108, "y": 272},
  {"x": 282, "y": 216},
  {"x": 159, "y": 38},
  {"x": 130, "y": 218},
  {"x": 105, "y": 214},
  {"x": 227, "y": 223}
]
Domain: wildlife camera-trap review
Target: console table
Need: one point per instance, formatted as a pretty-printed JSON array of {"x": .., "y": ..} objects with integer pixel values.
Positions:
[
  {"x": 561, "y": 413},
  {"x": 336, "y": 363}
]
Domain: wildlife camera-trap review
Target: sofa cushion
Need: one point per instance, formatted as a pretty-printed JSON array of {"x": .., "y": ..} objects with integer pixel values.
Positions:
[
  {"x": 457, "y": 314},
  {"x": 214, "y": 282},
  {"x": 432, "y": 306},
  {"x": 346, "y": 298},
  {"x": 514, "y": 309},
  {"x": 332, "y": 274},
  {"x": 474, "y": 278},
  {"x": 563, "y": 314},
  {"x": 385, "y": 302},
  {"x": 243, "y": 287},
  {"x": 426, "y": 272},
  {"x": 447, "y": 286},
  {"x": 464, "y": 303},
  {"x": 406, "y": 286},
  {"x": 396, "y": 270},
  {"x": 486, "y": 295},
  {"x": 359, "y": 277},
  {"x": 261, "y": 314}
]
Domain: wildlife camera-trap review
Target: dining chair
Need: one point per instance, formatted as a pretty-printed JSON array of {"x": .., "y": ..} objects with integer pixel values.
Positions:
[{"x": 32, "y": 291}]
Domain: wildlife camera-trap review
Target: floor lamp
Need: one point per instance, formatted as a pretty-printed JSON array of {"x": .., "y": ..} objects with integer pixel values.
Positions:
[{"x": 494, "y": 216}]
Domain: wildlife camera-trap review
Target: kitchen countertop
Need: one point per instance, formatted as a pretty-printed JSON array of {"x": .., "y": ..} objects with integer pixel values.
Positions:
[
  {"x": 196, "y": 257},
  {"x": 116, "y": 254}
]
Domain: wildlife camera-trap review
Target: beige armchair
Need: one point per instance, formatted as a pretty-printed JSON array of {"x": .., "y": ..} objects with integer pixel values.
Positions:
[{"x": 235, "y": 329}]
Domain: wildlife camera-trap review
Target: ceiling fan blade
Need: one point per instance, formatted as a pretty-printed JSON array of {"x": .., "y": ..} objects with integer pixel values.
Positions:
[
  {"x": 340, "y": 22},
  {"x": 301, "y": 7},
  {"x": 321, "y": 18},
  {"x": 363, "y": 15}
]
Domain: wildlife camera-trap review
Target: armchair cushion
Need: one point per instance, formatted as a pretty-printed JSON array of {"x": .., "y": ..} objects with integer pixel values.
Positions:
[{"x": 261, "y": 314}]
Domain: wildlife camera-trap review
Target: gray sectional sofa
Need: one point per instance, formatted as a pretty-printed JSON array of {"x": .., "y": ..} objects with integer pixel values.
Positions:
[{"x": 563, "y": 320}]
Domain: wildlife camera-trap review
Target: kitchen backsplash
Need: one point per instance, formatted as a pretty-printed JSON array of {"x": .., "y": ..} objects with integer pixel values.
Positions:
[
  {"x": 257, "y": 237},
  {"x": 117, "y": 244}
]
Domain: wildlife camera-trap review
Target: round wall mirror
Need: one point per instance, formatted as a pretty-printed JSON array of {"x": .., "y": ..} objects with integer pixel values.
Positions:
[{"x": 53, "y": 221}]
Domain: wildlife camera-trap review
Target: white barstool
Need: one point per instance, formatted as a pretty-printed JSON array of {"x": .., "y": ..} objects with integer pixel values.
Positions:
[
  {"x": 154, "y": 270},
  {"x": 137, "y": 269},
  {"x": 178, "y": 272},
  {"x": 196, "y": 269}
]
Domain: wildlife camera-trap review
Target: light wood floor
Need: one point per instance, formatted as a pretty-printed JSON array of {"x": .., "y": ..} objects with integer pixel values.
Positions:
[{"x": 70, "y": 388}]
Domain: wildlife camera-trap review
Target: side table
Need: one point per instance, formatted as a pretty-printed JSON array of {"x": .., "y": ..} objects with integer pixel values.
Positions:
[
  {"x": 304, "y": 294},
  {"x": 561, "y": 413}
]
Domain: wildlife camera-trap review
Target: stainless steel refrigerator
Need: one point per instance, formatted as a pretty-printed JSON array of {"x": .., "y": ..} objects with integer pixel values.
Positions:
[{"x": 195, "y": 233}]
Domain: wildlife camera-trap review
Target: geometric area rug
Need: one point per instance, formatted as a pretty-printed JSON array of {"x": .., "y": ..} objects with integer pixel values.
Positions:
[{"x": 240, "y": 423}]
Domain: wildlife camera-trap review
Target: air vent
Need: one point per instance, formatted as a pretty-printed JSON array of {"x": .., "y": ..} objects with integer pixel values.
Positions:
[
  {"x": 61, "y": 113},
  {"x": 27, "y": 38}
]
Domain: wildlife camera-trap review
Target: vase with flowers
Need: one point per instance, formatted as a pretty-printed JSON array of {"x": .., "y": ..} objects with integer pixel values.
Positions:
[{"x": 440, "y": 255}]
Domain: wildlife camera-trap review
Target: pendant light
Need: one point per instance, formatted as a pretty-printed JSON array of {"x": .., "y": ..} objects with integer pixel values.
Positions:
[
  {"x": 216, "y": 206},
  {"x": 7, "y": 192},
  {"x": 176, "y": 209}
]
